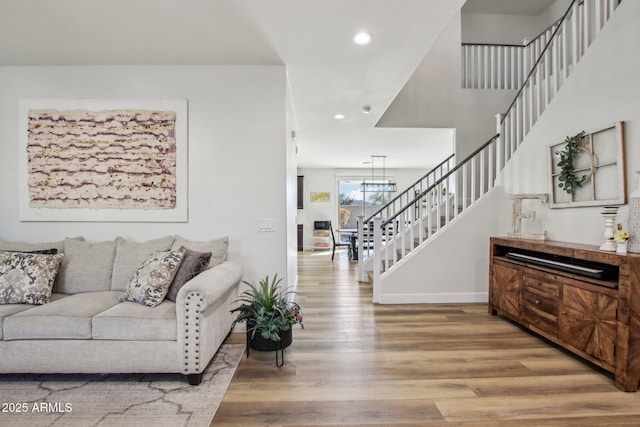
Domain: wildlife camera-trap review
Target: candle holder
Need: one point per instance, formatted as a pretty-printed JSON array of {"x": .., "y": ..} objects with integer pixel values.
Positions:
[{"x": 609, "y": 216}]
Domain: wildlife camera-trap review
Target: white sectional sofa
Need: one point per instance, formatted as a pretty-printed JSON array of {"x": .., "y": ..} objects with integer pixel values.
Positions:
[{"x": 85, "y": 327}]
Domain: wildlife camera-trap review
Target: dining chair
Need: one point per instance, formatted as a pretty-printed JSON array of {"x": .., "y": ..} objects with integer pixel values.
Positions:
[{"x": 338, "y": 243}]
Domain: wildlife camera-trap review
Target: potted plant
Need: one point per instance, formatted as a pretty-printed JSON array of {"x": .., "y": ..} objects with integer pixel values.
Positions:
[{"x": 269, "y": 314}]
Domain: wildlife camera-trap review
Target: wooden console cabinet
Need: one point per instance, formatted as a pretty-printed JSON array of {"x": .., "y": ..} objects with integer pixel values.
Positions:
[{"x": 596, "y": 318}]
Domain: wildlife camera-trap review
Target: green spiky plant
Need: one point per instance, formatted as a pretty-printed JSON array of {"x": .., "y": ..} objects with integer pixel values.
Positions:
[{"x": 266, "y": 308}]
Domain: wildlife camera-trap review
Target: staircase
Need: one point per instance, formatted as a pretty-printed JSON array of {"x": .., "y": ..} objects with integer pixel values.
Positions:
[{"x": 446, "y": 193}]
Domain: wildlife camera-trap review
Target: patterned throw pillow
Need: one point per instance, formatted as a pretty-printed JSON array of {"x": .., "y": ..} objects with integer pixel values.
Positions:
[
  {"x": 150, "y": 283},
  {"x": 27, "y": 278},
  {"x": 193, "y": 264}
]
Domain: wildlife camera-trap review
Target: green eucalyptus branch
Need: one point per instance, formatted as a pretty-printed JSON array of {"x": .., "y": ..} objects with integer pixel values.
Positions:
[{"x": 569, "y": 181}]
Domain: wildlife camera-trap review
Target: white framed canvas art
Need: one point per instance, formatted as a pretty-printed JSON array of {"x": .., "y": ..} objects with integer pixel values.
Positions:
[{"x": 103, "y": 160}]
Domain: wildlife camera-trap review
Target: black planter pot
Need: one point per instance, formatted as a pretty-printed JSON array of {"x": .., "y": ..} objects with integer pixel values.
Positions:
[{"x": 258, "y": 342}]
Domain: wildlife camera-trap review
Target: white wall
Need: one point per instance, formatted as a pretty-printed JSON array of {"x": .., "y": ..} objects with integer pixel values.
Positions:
[
  {"x": 552, "y": 14},
  {"x": 603, "y": 89},
  {"x": 509, "y": 29},
  {"x": 433, "y": 97},
  {"x": 322, "y": 179},
  {"x": 426, "y": 100},
  {"x": 501, "y": 29},
  {"x": 237, "y": 152},
  {"x": 453, "y": 267},
  {"x": 291, "y": 195}
]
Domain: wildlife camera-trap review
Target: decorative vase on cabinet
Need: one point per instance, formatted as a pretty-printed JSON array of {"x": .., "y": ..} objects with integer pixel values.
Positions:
[{"x": 634, "y": 219}]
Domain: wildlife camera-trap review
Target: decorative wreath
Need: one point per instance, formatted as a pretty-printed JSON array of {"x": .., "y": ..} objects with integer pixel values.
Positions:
[{"x": 569, "y": 181}]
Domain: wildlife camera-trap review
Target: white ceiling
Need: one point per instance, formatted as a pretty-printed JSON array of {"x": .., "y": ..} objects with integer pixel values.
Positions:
[{"x": 327, "y": 73}]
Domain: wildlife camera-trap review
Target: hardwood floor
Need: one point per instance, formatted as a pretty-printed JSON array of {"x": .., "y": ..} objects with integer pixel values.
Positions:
[{"x": 357, "y": 363}]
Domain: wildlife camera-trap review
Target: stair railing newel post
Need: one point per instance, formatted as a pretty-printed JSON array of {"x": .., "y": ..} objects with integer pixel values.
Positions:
[
  {"x": 500, "y": 143},
  {"x": 377, "y": 258},
  {"x": 362, "y": 273}
]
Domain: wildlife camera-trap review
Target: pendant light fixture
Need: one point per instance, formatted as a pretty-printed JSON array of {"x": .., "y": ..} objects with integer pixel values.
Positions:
[{"x": 381, "y": 186}]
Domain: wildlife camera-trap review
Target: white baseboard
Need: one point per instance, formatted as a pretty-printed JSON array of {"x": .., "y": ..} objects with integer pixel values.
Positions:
[{"x": 439, "y": 298}]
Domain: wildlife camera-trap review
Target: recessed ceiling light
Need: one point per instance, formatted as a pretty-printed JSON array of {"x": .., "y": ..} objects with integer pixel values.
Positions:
[
  {"x": 339, "y": 116},
  {"x": 366, "y": 109},
  {"x": 362, "y": 38}
]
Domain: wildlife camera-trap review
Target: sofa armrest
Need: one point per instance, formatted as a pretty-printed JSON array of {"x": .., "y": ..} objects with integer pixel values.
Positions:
[
  {"x": 212, "y": 283},
  {"x": 203, "y": 314}
]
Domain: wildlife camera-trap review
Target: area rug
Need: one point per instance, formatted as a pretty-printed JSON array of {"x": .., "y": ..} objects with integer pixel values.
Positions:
[{"x": 117, "y": 399}]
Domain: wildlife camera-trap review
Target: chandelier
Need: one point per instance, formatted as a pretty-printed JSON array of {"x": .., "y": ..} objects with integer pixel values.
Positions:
[{"x": 378, "y": 185}]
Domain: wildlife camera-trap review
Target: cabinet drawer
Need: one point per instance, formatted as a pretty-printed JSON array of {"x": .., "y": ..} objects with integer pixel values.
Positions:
[
  {"x": 540, "y": 309},
  {"x": 542, "y": 320},
  {"x": 542, "y": 284},
  {"x": 540, "y": 303}
]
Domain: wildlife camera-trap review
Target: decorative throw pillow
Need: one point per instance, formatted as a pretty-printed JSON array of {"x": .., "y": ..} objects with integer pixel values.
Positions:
[
  {"x": 130, "y": 255},
  {"x": 150, "y": 283},
  {"x": 192, "y": 264},
  {"x": 218, "y": 248},
  {"x": 27, "y": 278}
]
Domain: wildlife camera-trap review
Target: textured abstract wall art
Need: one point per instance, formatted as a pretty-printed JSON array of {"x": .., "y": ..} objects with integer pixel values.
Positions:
[{"x": 106, "y": 160}]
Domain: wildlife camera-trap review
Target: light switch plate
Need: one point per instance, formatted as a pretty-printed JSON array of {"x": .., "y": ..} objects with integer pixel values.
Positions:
[{"x": 265, "y": 225}]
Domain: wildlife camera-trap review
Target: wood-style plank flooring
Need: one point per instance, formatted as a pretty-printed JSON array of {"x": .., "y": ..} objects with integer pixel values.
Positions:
[{"x": 358, "y": 363}]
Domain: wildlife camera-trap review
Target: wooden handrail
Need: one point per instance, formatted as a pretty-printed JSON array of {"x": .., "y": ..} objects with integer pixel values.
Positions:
[
  {"x": 535, "y": 65},
  {"x": 470, "y": 157},
  {"x": 523, "y": 45},
  {"x": 442, "y": 163}
]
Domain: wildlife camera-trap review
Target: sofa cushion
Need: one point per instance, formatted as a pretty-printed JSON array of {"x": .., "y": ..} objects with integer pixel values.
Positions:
[
  {"x": 130, "y": 255},
  {"x": 65, "y": 318},
  {"x": 30, "y": 247},
  {"x": 218, "y": 248},
  {"x": 150, "y": 283},
  {"x": 10, "y": 309},
  {"x": 27, "y": 278},
  {"x": 136, "y": 322},
  {"x": 193, "y": 263},
  {"x": 86, "y": 267}
]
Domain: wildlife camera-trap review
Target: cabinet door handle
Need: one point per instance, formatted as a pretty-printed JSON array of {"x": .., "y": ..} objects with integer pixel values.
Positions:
[{"x": 538, "y": 302}]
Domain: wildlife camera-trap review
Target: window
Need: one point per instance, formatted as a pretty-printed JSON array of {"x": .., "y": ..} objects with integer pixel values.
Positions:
[{"x": 354, "y": 201}]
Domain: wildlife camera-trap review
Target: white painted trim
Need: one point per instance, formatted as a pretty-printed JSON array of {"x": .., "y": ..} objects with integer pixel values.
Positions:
[{"x": 434, "y": 298}]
